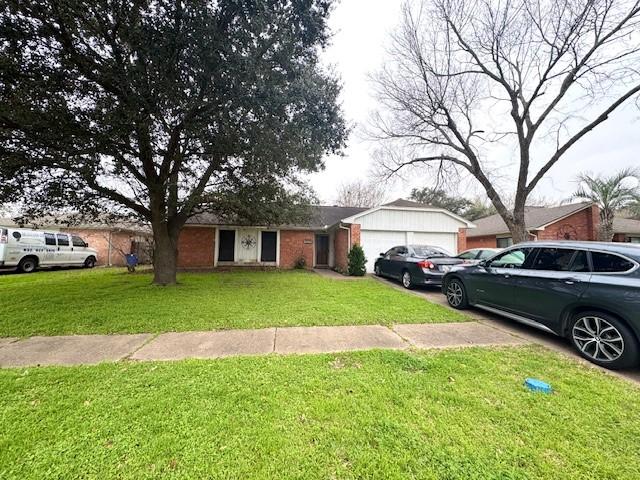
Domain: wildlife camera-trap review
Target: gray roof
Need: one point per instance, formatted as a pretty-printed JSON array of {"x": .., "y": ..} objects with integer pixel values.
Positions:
[
  {"x": 401, "y": 202},
  {"x": 534, "y": 217},
  {"x": 626, "y": 225},
  {"x": 321, "y": 216}
]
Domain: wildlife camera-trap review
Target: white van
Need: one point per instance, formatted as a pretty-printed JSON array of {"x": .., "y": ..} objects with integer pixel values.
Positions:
[{"x": 31, "y": 249}]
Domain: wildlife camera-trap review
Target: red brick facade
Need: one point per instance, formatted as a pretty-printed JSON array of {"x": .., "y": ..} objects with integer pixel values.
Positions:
[
  {"x": 296, "y": 244},
  {"x": 487, "y": 241},
  {"x": 582, "y": 225},
  {"x": 462, "y": 239},
  {"x": 196, "y": 247},
  {"x": 341, "y": 245}
]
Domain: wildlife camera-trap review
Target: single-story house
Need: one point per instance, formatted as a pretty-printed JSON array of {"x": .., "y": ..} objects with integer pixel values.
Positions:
[
  {"x": 576, "y": 221},
  {"x": 322, "y": 241},
  {"x": 110, "y": 240}
]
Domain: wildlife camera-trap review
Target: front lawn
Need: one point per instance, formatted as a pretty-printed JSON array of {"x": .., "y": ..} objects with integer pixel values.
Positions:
[
  {"x": 380, "y": 414},
  {"x": 112, "y": 301}
]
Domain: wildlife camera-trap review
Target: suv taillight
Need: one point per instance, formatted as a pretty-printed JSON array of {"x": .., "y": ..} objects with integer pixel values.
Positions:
[
  {"x": 426, "y": 264},
  {"x": 4, "y": 235}
]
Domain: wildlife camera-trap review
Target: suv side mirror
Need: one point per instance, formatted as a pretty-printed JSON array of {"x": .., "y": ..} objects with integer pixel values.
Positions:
[{"x": 382, "y": 254}]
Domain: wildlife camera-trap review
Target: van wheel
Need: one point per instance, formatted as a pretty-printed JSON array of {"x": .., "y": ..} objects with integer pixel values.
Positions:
[
  {"x": 28, "y": 265},
  {"x": 604, "y": 340},
  {"x": 90, "y": 262}
]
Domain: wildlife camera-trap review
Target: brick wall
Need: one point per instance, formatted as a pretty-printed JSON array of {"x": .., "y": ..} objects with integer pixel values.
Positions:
[
  {"x": 295, "y": 244},
  {"x": 462, "y": 240},
  {"x": 341, "y": 248},
  {"x": 196, "y": 247},
  {"x": 99, "y": 241},
  {"x": 582, "y": 225},
  {"x": 486, "y": 241}
]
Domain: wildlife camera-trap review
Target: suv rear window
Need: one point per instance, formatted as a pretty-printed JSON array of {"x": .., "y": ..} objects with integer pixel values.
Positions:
[
  {"x": 609, "y": 263},
  {"x": 553, "y": 259}
]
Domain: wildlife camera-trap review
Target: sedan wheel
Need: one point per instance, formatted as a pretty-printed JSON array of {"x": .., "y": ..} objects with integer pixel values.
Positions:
[
  {"x": 376, "y": 270},
  {"x": 604, "y": 340},
  {"x": 406, "y": 280},
  {"x": 456, "y": 295}
]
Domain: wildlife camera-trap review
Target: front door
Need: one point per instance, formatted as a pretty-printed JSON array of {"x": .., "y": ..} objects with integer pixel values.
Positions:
[
  {"x": 322, "y": 250},
  {"x": 227, "y": 247},
  {"x": 247, "y": 245}
]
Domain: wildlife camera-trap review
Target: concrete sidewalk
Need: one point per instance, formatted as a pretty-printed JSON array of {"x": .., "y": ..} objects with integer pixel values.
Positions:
[{"x": 92, "y": 349}]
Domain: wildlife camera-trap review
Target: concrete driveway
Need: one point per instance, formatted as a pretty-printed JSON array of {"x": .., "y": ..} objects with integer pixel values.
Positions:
[{"x": 524, "y": 331}]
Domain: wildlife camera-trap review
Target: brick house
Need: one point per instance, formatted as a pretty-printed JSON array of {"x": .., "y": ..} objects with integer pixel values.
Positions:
[
  {"x": 577, "y": 221},
  {"x": 322, "y": 241}
]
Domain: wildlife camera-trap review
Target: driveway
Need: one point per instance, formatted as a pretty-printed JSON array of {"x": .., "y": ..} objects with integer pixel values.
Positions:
[{"x": 524, "y": 331}]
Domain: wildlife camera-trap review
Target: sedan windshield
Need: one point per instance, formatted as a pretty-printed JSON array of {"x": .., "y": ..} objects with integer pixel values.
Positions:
[{"x": 425, "y": 252}]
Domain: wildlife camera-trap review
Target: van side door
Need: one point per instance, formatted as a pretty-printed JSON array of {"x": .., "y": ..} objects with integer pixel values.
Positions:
[
  {"x": 63, "y": 254},
  {"x": 78, "y": 247}
]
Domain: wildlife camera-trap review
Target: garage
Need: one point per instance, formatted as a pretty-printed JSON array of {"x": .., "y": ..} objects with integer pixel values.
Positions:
[{"x": 404, "y": 222}]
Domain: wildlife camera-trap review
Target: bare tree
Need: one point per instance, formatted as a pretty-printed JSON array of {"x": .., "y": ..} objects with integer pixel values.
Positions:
[
  {"x": 535, "y": 75},
  {"x": 360, "y": 194}
]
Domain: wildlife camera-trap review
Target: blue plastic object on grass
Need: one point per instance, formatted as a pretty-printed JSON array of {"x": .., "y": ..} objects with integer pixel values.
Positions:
[
  {"x": 132, "y": 259},
  {"x": 536, "y": 385}
]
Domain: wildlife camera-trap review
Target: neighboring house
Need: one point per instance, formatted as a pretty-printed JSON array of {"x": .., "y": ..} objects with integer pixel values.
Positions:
[
  {"x": 577, "y": 221},
  {"x": 111, "y": 241},
  {"x": 626, "y": 230},
  {"x": 322, "y": 241}
]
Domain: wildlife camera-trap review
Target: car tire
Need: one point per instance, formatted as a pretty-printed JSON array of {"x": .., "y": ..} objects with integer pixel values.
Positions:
[
  {"x": 376, "y": 271},
  {"x": 406, "y": 280},
  {"x": 456, "y": 294},
  {"x": 604, "y": 339},
  {"x": 90, "y": 262},
  {"x": 28, "y": 265}
]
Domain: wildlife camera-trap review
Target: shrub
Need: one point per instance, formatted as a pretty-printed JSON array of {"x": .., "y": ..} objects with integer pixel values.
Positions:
[
  {"x": 300, "y": 263},
  {"x": 357, "y": 260}
]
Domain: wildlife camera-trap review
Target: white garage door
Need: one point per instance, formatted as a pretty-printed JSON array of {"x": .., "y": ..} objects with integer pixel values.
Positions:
[
  {"x": 376, "y": 241},
  {"x": 448, "y": 241},
  {"x": 373, "y": 242}
]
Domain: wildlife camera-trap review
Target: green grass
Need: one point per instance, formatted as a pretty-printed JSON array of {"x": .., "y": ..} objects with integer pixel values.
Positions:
[
  {"x": 380, "y": 414},
  {"x": 112, "y": 301}
]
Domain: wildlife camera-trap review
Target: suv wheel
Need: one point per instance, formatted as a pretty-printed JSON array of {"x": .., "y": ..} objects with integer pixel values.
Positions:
[
  {"x": 406, "y": 280},
  {"x": 376, "y": 270},
  {"x": 456, "y": 295},
  {"x": 604, "y": 340},
  {"x": 27, "y": 265}
]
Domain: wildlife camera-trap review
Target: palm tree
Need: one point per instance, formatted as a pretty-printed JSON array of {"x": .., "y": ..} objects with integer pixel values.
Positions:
[{"x": 611, "y": 193}]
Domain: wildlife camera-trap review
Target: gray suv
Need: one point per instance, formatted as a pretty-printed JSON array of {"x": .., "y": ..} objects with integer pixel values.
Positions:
[{"x": 588, "y": 292}]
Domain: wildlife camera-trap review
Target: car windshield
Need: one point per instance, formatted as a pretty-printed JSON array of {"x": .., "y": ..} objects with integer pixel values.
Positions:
[{"x": 424, "y": 252}]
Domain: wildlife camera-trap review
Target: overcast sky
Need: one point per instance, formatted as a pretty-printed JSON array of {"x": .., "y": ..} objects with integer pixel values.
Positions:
[{"x": 361, "y": 34}]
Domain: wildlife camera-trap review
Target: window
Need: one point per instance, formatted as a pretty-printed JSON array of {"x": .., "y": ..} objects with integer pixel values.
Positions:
[
  {"x": 227, "y": 247},
  {"x": 63, "y": 240},
  {"x": 468, "y": 255},
  {"x": 580, "y": 262},
  {"x": 553, "y": 259},
  {"x": 504, "y": 242},
  {"x": 487, "y": 254},
  {"x": 400, "y": 251},
  {"x": 634, "y": 239},
  {"x": 609, "y": 263},
  {"x": 49, "y": 239},
  {"x": 425, "y": 252},
  {"x": 268, "y": 247},
  {"x": 517, "y": 258},
  {"x": 77, "y": 241}
]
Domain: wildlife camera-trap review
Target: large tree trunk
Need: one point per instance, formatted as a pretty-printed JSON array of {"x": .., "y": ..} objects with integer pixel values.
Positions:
[
  {"x": 518, "y": 226},
  {"x": 165, "y": 255}
]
